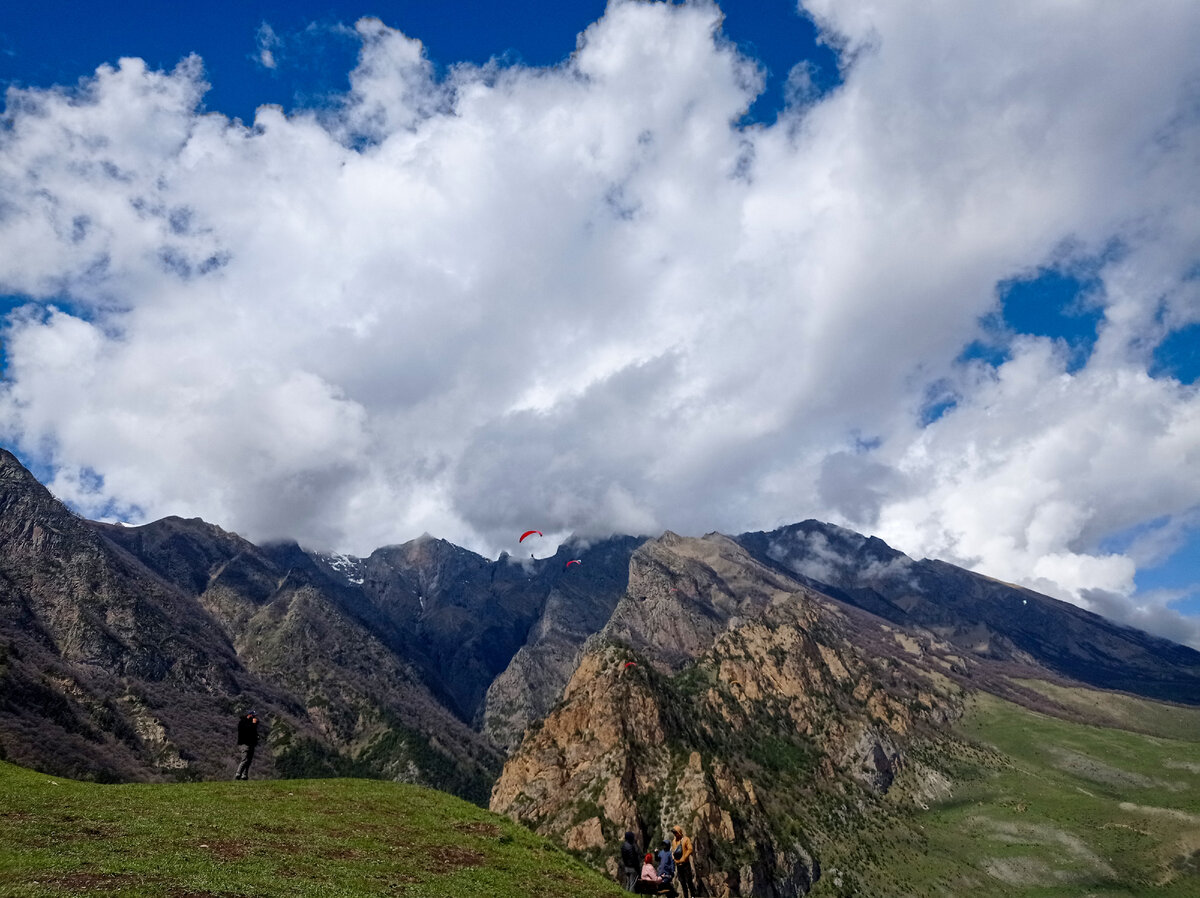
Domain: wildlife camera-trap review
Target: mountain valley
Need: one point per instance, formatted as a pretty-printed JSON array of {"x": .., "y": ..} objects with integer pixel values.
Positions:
[{"x": 813, "y": 706}]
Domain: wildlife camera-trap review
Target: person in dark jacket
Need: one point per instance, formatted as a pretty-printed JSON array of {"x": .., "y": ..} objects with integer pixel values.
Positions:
[
  {"x": 247, "y": 742},
  {"x": 666, "y": 863},
  {"x": 629, "y": 860}
]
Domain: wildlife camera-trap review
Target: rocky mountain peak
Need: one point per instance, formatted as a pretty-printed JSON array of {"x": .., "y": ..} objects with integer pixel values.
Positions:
[
  {"x": 683, "y": 592},
  {"x": 717, "y": 681}
]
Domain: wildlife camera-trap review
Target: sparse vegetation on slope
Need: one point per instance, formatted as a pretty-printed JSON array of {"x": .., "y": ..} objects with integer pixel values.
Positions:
[
  {"x": 1047, "y": 809},
  {"x": 293, "y": 838}
]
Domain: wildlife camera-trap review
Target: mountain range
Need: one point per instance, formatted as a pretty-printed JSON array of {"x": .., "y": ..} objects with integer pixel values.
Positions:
[{"x": 724, "y": 681}]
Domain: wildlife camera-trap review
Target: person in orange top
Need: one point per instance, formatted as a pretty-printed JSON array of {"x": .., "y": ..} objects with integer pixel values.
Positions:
[{"x": 681, "y": 850}]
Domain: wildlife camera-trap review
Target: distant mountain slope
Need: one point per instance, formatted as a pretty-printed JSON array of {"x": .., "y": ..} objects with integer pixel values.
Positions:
[
  {"x": 347, "y": 661},
  {"x": 106, "y": 670},
  {"x": 982, "y": 616}
]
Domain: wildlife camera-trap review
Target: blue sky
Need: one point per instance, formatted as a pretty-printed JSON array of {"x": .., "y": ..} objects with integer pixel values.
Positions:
[
  {"x": 226, "y": 35},
  {"x": 948, "y": 295}
]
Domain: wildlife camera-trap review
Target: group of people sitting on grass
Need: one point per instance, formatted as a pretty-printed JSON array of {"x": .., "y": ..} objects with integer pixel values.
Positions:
[{"x": 660, "y": 871}]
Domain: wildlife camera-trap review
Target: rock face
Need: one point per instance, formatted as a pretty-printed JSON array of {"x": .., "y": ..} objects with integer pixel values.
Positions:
[
  {"x": 346, "y": 660},
  {"x": 578, "y": 605},
  {"x": 723, "y": 696},
  {"x": 981, "y": 616},
  {"x": 126, "y": 651},
  {"x": 106, "y": 670}
]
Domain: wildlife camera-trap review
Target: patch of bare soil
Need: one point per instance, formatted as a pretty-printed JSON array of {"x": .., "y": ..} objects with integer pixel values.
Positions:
[
  {"x": 1171, "y": 813},
  {"x": 1184, "y": 859},
  {"x": 345, "y": 854},
  {"x": 447, "y": 858},
  {"x": 1022, "y": 871},
  {"x": 1098, "y": 772},
  {"x": 225, "y": 850},
  {"x": 478, "y": 829},
  {"x": 87, "y": 831},
  {"x": 1067, "y": 859}
]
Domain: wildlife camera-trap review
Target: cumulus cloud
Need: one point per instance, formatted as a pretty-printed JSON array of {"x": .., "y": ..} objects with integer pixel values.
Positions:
[{"x": 585, "y": 298}]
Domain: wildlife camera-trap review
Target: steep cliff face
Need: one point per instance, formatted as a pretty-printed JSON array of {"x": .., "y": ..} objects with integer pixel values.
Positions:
[
  {"x": 495, "y": 640},
  {"x": 726, "y": 698},
  {"x": 579, "y": 603}
]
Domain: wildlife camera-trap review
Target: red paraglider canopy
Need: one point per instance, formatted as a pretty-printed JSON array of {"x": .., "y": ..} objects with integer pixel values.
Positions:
[
  {"x": 529, "y": 533},
  {"x": 574, "y": 561},
  {"x": 629, "y": 664}
]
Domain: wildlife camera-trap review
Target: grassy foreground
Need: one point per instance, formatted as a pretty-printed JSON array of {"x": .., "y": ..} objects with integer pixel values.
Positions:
[
  {"x": 1046, "y": 808},
  {"x": 294, "y": 838},
  {"x": 1057, "y": 809}
]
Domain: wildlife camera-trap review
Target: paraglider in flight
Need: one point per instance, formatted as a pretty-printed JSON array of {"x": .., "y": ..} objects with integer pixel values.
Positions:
[
  {"x": 529, "y": 533},
  {"x": 629, "y": 664},
  {"x": 573, "y": 561}
]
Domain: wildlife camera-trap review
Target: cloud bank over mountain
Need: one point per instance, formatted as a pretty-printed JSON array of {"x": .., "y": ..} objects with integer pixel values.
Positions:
[{"x": 584, "y": 298}]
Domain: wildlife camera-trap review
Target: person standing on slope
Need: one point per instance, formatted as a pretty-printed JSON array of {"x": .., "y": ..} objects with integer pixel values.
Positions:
[
  {"x": 629, "y": 860},
  {"x": 681, "y": 850},
  {"x": 247, "y": 742}
]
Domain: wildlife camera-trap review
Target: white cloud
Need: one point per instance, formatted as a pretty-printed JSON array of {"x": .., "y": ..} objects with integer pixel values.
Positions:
[
  {"x": 582, "y": 298},
  {"x": 268, "y": 44}
]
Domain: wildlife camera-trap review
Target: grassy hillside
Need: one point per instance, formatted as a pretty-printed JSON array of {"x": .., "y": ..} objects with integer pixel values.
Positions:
[
  {"x": 1042, "y": 808},
  {"x": 1054, "y": 810},
  {"x": 294, "y": 838}
]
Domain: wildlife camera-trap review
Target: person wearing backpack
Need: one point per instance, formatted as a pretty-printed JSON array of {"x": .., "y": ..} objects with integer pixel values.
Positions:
[{"x": 247, "y": 740}]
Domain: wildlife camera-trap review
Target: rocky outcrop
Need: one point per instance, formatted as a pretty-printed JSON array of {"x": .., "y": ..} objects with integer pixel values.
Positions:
[
  {"x": 722, "y": 697},
  {"x": 579, "y": 604}
]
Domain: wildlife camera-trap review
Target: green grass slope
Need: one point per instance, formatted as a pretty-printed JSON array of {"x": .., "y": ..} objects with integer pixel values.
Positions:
[
  {"x": 294, "y": 838},
  {"x": 1049, "y": 809}
]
